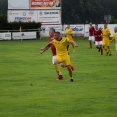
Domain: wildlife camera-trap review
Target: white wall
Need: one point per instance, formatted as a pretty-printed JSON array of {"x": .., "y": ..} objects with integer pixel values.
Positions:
[{"x": 18, "y": 4}]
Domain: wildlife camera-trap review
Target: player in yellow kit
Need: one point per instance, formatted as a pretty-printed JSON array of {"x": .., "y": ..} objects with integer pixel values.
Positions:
[
  {"x": 69, "y": 34},
  {"x": 62, "y": 56},
  {"x": 115, "y": 37},
  {"x": 106, "y": 42}
]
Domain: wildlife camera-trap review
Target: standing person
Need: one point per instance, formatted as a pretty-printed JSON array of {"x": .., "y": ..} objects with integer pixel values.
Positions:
[
  {"x": 91, "y": 35},
  {"x": 106, "y": 42},
  {"x": 53, "y": 49},
  {"x": 98, "y": 39},
  {"x": 62, "y": 56},
  {"x": 69, "y": 34},
  {"x": 115, "y": 37}
]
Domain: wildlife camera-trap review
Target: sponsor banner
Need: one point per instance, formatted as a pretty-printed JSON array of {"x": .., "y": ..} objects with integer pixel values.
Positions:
[
  {"x": 45, "y": 29},
  {"x": 18, "y": 4},
  {"x": 23, "y": 35},
  {"x": 5, "y": 36},
  {"x": 78, "y": 30},
  {"x": 49, "y": 16},
  {"x": 45, "y": 4},
  {"x": 100, "y": 26},
  {"x": 22, "y": 15}
]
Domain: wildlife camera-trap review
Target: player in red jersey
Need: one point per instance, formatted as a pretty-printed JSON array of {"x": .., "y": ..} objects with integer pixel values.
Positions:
[
  {"x": 91, "y": 35},
  {"x": 98, "y": 39},
  {"x": 53, "y": 49}
]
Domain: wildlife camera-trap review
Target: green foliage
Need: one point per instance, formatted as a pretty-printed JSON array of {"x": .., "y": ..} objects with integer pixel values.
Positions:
[
  {"x": 28, "y": 86},
  {"x": 80, "y": 11},
  {"x": 4, "y": 25},
  {"x": 113, "y": 21}
]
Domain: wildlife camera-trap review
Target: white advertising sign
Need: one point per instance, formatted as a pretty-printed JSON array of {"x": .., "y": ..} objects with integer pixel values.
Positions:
[
  {"x": 45, "y": 29},
  {"x": 23, "y": 35},
  {"x": 18, "y": 4},
  {"x": 5, "y": 36},
  {"x": 49, "y": 16},
  {"x": 22, "y": 15},
  {"x": 78, "y": 29},
  {"x": 100, "y": 26}
]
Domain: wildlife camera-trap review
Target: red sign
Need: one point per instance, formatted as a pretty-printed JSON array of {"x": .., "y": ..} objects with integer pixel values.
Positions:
[{"x": 45, "y": 4}]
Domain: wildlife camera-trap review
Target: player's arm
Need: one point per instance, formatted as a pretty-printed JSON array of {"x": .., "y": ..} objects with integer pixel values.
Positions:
[
  {"x": 95, "y": 34},
  {"x": 112, "y": 39},
  {"x": 74, "y": 43},
  {"x": 45, "y": 48}
]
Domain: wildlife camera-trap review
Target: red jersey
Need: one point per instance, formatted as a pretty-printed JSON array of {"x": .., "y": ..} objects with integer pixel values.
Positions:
[
  {"x": 97, "y": 34},
  {"x": 91, "y": 31},
  {"x": 52, "y": 47}
]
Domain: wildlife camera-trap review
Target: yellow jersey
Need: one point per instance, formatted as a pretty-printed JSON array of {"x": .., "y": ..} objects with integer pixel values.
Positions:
[
  {"x": 69, "y": 33},
  {"x": 61, "y": 46},
  {"x": 105, "y": 31},
  {"x": 115, "y": 36}
]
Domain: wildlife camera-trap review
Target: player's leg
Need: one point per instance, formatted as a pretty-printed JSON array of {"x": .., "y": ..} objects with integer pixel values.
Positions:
[
  {"x": 67, "y": 63},
  {"x": 108, "y": 46},
  {"x": 104, "y": 47},
  {"x": 90, "y": 42},
  {"x": 109, "y": 50},
  {"x": 96, "y": 45},
  {"x": 70, "y": 72},
  {"x": 101, "y": 48},
  {"x": 62, "y": 65},
  {"x": 116, "y": 46},
  {"x": 58, "y": 71},
  {"x": 93, "y": 39}
]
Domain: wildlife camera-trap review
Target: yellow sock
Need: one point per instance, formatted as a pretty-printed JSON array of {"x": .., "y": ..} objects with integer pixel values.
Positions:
[{"x": 58, "y": 70}]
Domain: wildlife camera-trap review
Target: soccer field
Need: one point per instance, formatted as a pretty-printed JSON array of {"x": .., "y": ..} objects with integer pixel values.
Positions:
[{"x": 28, "y": 85}]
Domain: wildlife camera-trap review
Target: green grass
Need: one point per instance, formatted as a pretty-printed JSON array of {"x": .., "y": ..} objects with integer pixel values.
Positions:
[{"x": 28, "y": 86}]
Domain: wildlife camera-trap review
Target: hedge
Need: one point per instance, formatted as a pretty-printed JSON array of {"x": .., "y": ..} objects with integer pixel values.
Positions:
[{"x": 4, "y": 25}]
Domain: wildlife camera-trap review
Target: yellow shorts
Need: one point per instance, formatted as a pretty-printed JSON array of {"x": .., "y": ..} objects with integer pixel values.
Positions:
[
  {"x": 70, "y": 38},
  {"x": 106, "y": 42},
  {"x": 65, "y": 59}
]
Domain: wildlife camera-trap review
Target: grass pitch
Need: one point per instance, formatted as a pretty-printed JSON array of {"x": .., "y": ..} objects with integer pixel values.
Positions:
[{"x": 28, "y": 86}]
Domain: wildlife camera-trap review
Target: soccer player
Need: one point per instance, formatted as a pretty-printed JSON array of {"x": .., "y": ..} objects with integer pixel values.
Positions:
[
  {"x": 98, "y": 39},
  {"x": 91, "y": 35},
  {"x": 62, "y": 56},
  {"x": 106, "y": 42},
  {"x": 115, "y": 37},
  {"x": 69, "y": 33},
  {"x": 53, "y": 49}
]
